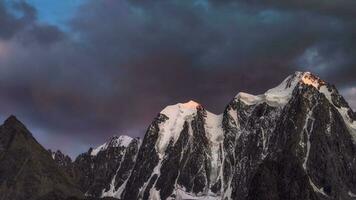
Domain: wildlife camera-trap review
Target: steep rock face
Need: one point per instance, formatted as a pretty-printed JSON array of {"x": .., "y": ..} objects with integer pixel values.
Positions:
[
  {"x": 27, "y": 170},
  {"x": 247, "y": 132},
  {"x": 103, "y": 171},
  {"x": 61, "y": 159},
  {"x": 64, "y": 162},
  {"x": 297, "y": 145},
  {"x": 180, "y": 155},
  {"x": 296, "y": 141}
]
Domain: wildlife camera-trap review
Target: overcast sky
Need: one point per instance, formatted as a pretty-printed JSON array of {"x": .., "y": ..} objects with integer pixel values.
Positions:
[{"x": 79, "y": 71}]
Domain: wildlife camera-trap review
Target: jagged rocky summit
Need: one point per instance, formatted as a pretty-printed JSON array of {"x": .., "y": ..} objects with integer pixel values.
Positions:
[
  {"x": 103, "y": 171},
  {"x": 295, "y": 141}
]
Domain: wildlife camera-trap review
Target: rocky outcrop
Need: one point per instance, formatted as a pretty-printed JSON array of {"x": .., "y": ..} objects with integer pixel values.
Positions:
[
  {"x": 295, "y": 141},
  {"x": 103, "y": 171},
  {"x": 304, "y": 149},
  {"x": 27, "y": 170},
  {"x": 64, "y": 162},
  {"x": 183, "y": 145}
]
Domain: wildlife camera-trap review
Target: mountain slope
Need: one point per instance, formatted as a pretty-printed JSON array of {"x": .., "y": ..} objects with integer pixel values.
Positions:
[
  {"x": 103, "y": 171},
  {"x": 64, "y": 162},
  {"x": 294, "y": 142},
  {"x": 183, "y": 145},
  {"x": 27, "y": 170}
]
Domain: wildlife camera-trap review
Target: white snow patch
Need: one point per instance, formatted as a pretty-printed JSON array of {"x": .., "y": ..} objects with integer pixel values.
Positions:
[
  {"x": 117, "y": 193},
  {"x": 170, "y": 129},
  {"x": 264, "y": 142},
  {"x": 111, "y": 192},
  {"x": 277, "y": 96},
  {"x": 250, "y": 99},
  {"x": 182, "y": 195},
  {"x": 214, "y": 131},
  {"x": 351, "y": 194},
  {"x": 316, "y": 189},
  {"x": 351, "y": 125},
  {"x": 233, "y": 114},
  {"x": 188, "y": 108},
  {"x": 156, "y": 171},
  {"x": 95, "y": 151},
  {"x": 121, "y": 141},
  {"x": 328, "y": 126},
  {"x": 307, "y": 154},
  {"x": 154, "y": 194},
  {"x": 305, "y": 128},
  {"x": 121, "y": 189},
  {"x": 280, "y": 95},
  {"x": 228, "y": 191},
  {"x": 213, "y": 128}
]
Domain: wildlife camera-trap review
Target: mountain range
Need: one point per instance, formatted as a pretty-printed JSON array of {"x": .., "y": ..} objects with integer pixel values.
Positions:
[{"x": 296, "y": 141}]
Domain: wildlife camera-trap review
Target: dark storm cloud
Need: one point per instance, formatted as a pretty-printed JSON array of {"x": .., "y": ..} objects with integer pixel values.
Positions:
[
  {"x": 123, "y": 61},
  {"x": 21, "y": 23},
  {"x": 11, "y": 24},
  {"x": 342, "y": 8},
  {"x": 332, "y": 51}
]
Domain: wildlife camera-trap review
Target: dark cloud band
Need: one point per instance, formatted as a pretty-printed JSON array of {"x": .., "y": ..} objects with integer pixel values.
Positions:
[{"x": 121, "y": 62}]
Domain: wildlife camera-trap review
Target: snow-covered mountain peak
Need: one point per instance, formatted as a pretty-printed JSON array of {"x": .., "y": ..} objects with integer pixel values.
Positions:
[
  {"x": 277, "y": 96},
  {"x": 171, "y": 128},
  {"x": 281, "y": 94},
  {"x": 115, "y": 141},
  {"x": 182, "y": 113},
  {"x": 307, "y": 78},
  {"x": 181, "y": 109},
  {"x": 122, "y": 140},
  {"x": 249, "y": 99},
  {"x": 190, "y": 104}
]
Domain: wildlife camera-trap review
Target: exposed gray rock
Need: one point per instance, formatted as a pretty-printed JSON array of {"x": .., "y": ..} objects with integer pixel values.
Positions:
[
  {"x": 296, "y": 141},
  {"x": 108, "y": 168}
]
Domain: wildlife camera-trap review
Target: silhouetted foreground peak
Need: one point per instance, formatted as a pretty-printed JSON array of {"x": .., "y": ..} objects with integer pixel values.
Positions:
[{"x": 27, "y": 170}]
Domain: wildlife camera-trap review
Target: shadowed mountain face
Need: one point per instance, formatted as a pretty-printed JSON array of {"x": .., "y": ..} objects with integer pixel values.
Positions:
[
  {"x": 27, "y": 170},
  {"x": 303, "y": 150},
  {"x": 103, "y": 171},
  {"x": 296, "y": 141}
]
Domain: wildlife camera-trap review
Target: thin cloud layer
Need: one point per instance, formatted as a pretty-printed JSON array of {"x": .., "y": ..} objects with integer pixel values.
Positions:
[{"x": 121, "y": 62}]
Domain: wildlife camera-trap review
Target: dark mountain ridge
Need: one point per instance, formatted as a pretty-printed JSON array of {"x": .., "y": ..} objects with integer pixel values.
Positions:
[
  {"x": 296, "y": 141},
  {"x": 27, "y": 171}
]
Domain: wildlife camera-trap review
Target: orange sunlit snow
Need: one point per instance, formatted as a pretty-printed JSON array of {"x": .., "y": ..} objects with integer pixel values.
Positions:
[
  {"x": 190, "y": 104},
  {"x": 312, "y": 80}
]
